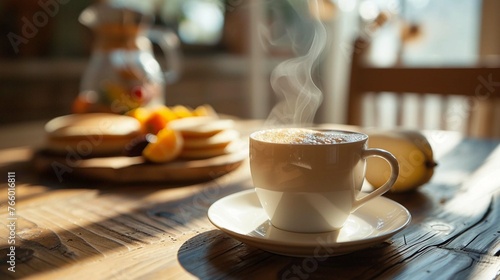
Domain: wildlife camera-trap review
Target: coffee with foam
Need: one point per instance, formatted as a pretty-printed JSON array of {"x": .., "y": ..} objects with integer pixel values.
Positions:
[
  {"x": 307, "y": 136},
  {"x": 308, "y": 180}
]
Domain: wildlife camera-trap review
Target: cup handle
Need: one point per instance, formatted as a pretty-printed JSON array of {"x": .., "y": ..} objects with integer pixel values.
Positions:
[{"x": 393, "y": 162}]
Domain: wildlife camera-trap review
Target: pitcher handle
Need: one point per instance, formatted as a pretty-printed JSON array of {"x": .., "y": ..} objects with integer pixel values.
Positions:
[
  {"x": 170, "y": 45},
  {"x": 393, "y": 162}
]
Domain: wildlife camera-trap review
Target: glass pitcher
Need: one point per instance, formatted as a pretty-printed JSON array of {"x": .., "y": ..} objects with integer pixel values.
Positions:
[{"x": 123, "y": 73}]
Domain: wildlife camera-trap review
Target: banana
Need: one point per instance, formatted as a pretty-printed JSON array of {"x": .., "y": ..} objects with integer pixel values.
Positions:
[{"x": 413, "y": 152}]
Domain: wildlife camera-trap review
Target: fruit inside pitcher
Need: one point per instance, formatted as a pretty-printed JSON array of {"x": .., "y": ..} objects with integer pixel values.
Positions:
[{"x": 122, "y": 73}]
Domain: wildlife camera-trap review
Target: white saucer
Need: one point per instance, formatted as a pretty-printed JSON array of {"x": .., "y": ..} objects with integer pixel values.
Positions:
[{"x": 241, "y": 216}]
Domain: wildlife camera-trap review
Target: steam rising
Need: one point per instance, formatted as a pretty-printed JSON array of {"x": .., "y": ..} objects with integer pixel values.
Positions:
[{"x": 292, "y": 82}]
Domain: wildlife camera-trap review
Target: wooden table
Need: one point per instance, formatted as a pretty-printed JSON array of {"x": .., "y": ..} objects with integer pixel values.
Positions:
[{"x": 88, "y": 230}]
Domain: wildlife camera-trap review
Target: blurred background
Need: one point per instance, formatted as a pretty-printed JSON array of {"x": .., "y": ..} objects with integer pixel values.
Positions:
[{"x": 230, "y": 48}]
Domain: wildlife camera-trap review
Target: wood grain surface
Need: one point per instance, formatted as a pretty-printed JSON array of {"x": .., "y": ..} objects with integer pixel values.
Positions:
[{"x": 82, "y": 230}]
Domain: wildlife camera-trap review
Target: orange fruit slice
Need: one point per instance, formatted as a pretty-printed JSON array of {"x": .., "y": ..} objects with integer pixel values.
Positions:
[
  {"x": 158, "y": 119},
  {"x": 182, "y": 111},
  {"x": 142, "y": 115},
  {"x": 167, "y": 147},
  {"x": 205, "y": 111}
]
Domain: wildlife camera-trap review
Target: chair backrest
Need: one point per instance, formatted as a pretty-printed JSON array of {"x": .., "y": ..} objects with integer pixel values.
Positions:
[{"x": 478, "y": 87}]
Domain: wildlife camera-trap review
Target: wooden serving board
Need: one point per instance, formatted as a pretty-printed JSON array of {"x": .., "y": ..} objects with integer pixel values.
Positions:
[{"x": 122, "y": 169}]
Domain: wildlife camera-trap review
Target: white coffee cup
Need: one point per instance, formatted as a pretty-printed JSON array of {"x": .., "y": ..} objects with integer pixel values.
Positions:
[{"x": 310, "y": 180}]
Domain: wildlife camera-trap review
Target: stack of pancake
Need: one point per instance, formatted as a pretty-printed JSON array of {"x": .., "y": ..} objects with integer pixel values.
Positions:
[
  {"x": 205, "y": 136},
  {"x": 91, "y": 135},
  {"x": 102, "y": 134}
]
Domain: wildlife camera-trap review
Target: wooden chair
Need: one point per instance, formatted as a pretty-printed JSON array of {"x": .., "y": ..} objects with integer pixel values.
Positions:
[{"x": 479, "y": 85}]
